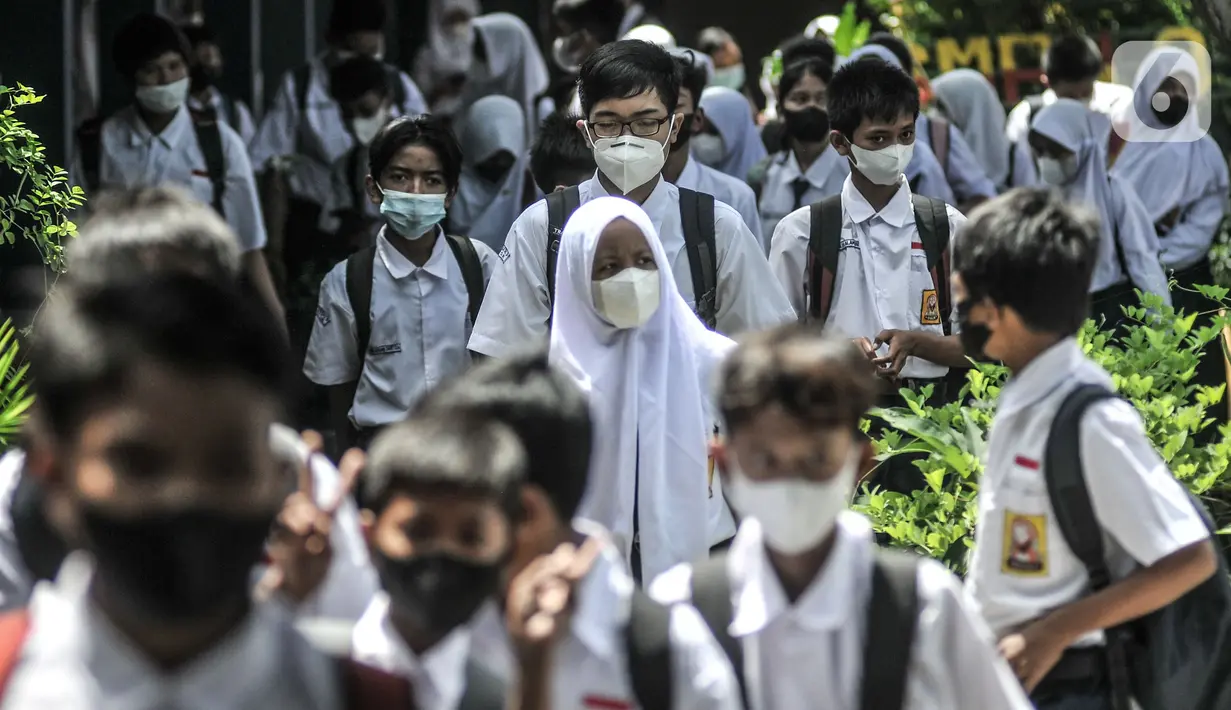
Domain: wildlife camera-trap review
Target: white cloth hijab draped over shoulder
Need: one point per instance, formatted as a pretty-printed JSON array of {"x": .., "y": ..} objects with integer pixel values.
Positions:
[
  {"x": 515, "y": 66},
  {"x": 484, "y": 210},
  {"x": 974, "y": 107},
  {"x": 1086, "y": 133},
  {"x": 648, "y": 390},
  {"x": 731, "y": 115},
  {"x": 445, "y": 54}
]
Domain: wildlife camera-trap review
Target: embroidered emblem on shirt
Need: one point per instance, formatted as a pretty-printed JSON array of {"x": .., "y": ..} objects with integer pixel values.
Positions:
[
  {"x": 929, "y": 309},
  {"x": 599, "y": 702},
  {"x": 385, "y": 349},
  {"x": 1025, "y": 545},
  {"x": 504, "y": 255},
  {"x": 322, "y": 316},
  {"x": 849, "y": 243}
]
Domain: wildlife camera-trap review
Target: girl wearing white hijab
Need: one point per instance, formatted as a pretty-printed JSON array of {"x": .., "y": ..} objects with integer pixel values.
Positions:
[
  {"x": 514, "y": 66},
  {"x": 972, "y": 104},
  {"x": 492, "y": 189},
  {"x": 1069, "y": 142},
  {"x": 621, "y": 329},
  {"x": 734, "y": 145},
  {"x": 449, "y": 52}
]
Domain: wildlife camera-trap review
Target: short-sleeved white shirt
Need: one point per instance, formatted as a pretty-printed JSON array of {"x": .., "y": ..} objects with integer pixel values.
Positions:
[
  {"x": 1021, "y": 567},
  {"x": 420, "y": 322},
  {"x": 882, "y": 281}
]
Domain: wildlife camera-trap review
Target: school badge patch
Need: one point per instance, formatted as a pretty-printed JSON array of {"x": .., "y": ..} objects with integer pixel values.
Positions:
[
  {"x": 504, "y": 255},
  {"x": 1025, "y": 545},
  {"x": 929, "y": 309}
]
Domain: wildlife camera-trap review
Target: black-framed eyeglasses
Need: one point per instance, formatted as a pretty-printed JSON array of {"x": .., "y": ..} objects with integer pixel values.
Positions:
[{"x": 640, "y": 127}]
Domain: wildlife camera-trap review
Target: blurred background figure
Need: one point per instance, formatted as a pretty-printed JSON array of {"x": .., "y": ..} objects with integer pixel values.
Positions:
[
  {"x": 970, "y": 102},
  {"x": 495, "y": 185},
  {"x": 204, "y": 97},
  {"x": 442, "y": 64}
]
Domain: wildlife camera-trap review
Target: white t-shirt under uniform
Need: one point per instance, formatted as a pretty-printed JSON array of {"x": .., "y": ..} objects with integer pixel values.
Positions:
[
  {"x": 1022, "y": 567},
  {"x": 420, "y": 322}
]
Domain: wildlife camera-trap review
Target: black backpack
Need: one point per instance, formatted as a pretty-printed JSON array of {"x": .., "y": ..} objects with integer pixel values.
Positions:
[
  {"x": 825, "y": 241},
  {"x": 1177, "y": 658},
  {"x": 360, "y": 270},
  {"x": 647, "y": 644},
  {"x": 892, "y": 616},
  {"x": 697, "y": 217},
  {"x": 209, "y": 139}
]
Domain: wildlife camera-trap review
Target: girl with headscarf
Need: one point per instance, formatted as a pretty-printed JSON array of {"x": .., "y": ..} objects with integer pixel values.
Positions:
[
  {"x": 731, "y": 142},
  {"x": 442, "y": 64},
  {"x": 621, "y": 329},
  {"x": 1069, "y": 142},
  {"x": 493, "y": 189},
  {"x": 971, "y": 103},
  {"x": 511, "y": 66}
]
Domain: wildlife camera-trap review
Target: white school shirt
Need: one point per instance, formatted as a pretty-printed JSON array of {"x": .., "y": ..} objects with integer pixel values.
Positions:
[
  {"x": 809, "y": 654},
  {"x": 889, "y": 287},
  {"x": 590, "y": 669},
  {"x": 962, "y": 169},
  {"x": 929, "y": 178},
  {"x": 419, "y": 326},
  {"x": 438, "y": 676},
  {"x": 133, "y": 157},
  {"x": 699, "y": 177},
  {"x": 16, "y": 580},
  {"x": 1021, "y": 567},
  {"x": 516, "y": 308},
  {"x": 824, "y": 177},
  {"x": 74, "y": 658},
  {"x": 243, "y": 125},
  {"x": 1107, "y": 99},
  {"x": 318, "y": 142}
]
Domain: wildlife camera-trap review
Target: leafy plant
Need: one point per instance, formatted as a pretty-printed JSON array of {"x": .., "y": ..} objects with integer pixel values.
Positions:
[
  {"x": 852, "y": 32},
  {"x": 14, "y": 399},
  {"x": 1152, "y": 365}
]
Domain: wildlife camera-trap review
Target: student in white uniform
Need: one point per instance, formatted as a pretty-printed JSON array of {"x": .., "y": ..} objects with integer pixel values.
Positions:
[
  {"x": 1022, "y": 269},
  {"x": 495, "y": 185},
  {"x": 508, "y": 63},
  {"x": 733, "y": 142},
  {"x": 970, "y": 102},
  {"x": 443, "y": 62},
  {"x": 630, "y": 92},
  {"x": 560, "y": 157},
  {"x": 684, "y": 169},
  {"x": 598, "y": 662},
  {"x": 621, "y": 329},
  {"x": 187, "y": 372},
  {"x": 797, "y": 600},
  {"x": 203, "y": 93},
  {"x": 442, "y": 496},
  {"x": 421, "y": 288},
  {"x": 155, "y": 141},
  {"x": 1069, "y": 142}
]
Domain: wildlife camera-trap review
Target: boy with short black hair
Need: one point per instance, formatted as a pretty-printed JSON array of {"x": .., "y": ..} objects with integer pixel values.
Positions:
[
  {"x": 560, "y": 157},
  {"x": 205, "y": 98},
  {"x": 360, "y": 85},
  {"x": 1022, "y": 270},
  {"x": 805, "y": 603}
]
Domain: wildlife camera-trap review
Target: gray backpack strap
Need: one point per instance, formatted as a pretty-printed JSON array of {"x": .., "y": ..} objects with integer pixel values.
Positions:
[
  {"x": 360, "y": 270},
  {"x": 647, "y": 639},
  {"x": 711, "y": 596},
  {"x": 697, "y": 218},
  {"x": 472, "y": 272},
  {"x": 824, "y": 243},
  {"x": 209, "y": 139},
  {"x": 560, "y": 206},
  {"x": 893, "y": 614},
  {"x": 483, "y": 689},
  {"x": 932, "y": 224}
]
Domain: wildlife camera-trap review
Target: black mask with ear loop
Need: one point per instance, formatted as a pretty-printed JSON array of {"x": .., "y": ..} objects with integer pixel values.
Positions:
[{"x": 974, "y": 336}]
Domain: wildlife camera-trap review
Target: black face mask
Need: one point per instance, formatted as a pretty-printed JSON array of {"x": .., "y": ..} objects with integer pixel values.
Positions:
[
  {"x": 41, "y": 547},
  {"x": 974, "y": 335},
  {"x": 810, "y": 125},
  {"x": 201, "y": 77},
  {"x": 180, "y": 566},
  {"x": 1174, "y": 113},
  {"x": 439, "y": 591},
  {"x": 685, "y": 134}
]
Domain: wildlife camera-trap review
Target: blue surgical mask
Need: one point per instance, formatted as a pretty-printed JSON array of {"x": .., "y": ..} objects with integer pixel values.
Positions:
[{"x": 411, "y": 215}]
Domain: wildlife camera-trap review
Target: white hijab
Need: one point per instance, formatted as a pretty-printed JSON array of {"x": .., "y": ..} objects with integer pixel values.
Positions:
[
  {"x": 1084, "y": 132},
  {"x": 876, "y": 50},
  {"x": 648, "y": 390},
  {"x": 731, "y": 114},
  {"x": 446, "y": 54},
  {"x": 515, "y": 66},
  {"x": 974, "y": 107},
  {"x": 484, "y": 210}
]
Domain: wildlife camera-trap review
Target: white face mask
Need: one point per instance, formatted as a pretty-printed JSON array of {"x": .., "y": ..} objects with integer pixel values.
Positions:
[
  {"x": 628, "y": 299},
  {"x": 1058, "y": 173},
  {"x": 708, "y": 148},
  {"x": 731, "y": 77},
  {"x": 165, "y": 98},
  {"x": 630, "y": 161},
  {"x": 366, "y": 128},
  {"x": 884, "y": 166},
  {"x": 795, "y": 515}
]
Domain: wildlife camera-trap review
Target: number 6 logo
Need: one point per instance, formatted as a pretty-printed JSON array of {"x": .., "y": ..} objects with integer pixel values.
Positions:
[{"x": 1168, "y": 104}]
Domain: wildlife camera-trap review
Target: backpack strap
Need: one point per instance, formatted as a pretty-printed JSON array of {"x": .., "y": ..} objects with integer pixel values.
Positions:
[
  {"x": 14, "y": 628},
  {"x": 697, "y": 218},
  {"x": 711, "y": 597},
  {"x": 824, "y": 243},
  {"x": 90, "y": 148},
  {"x": 360, "y": 270},
  {"x": 472, "y": 272},
  {"x": 209, "y": 138},
  {"x": 1035, "y": 104},
  {"x": 366, "y": 688},
  {"x": 303, "y": 82},
  {"x": 483, "y": 689},
  {"x": 892, "y": 616},
  {"x": 1065, "y": 476},
  {"x": 757, "y": 173},
  {"x": 932, "y": 224},
  {"x": 560, "y": 206},
  {"x": 939, "y": 130},
  {"x": 355, "y": 173},
  {"x": 647, "y": 638},
  {"x": 397, "y": 88}
]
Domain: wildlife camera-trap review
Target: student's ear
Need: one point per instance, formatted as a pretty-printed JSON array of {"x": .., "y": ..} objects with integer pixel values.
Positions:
[
  {"x": 535, "y": 529},
  {"x": 367, "y": 525},
  {"x": 373, "y": 190},
  {"x": 1044, "y": 81},
  {"x": 581, "y": 126},
  {"x": 676, "y": 125},
  {"x": 838, "y": 141}
]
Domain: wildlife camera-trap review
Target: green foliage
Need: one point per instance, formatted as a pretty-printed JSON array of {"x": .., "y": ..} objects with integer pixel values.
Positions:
[
  {"x": 852, "y": 32},
  {"x": 14, "y": 398},
  {"x": 38, "y": 210},
  {"x": 1153, "y": 365},
  {"x": 1220, "y": 254}
]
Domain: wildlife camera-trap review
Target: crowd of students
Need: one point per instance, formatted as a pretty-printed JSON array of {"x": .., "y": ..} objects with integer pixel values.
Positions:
[{"x": 596, "y": 357}]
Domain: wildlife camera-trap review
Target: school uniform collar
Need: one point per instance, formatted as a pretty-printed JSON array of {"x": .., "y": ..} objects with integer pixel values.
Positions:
[
  {"x": 1041, "y": 377},
  {"x": 818, "y": 172},
  {"x": 139, "y": 134},
  {"x": 604, "y": 597},
  {"x": 828, "y": 601},
  {"x": 664, "y": 199},
  {"x": 897, "y": 213},
  {"x": 691, "y": 174},
  {"x": 400, "y": 267},
  {"x": 376, "y": 642},
  {"x": 213, "y": 99}
]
